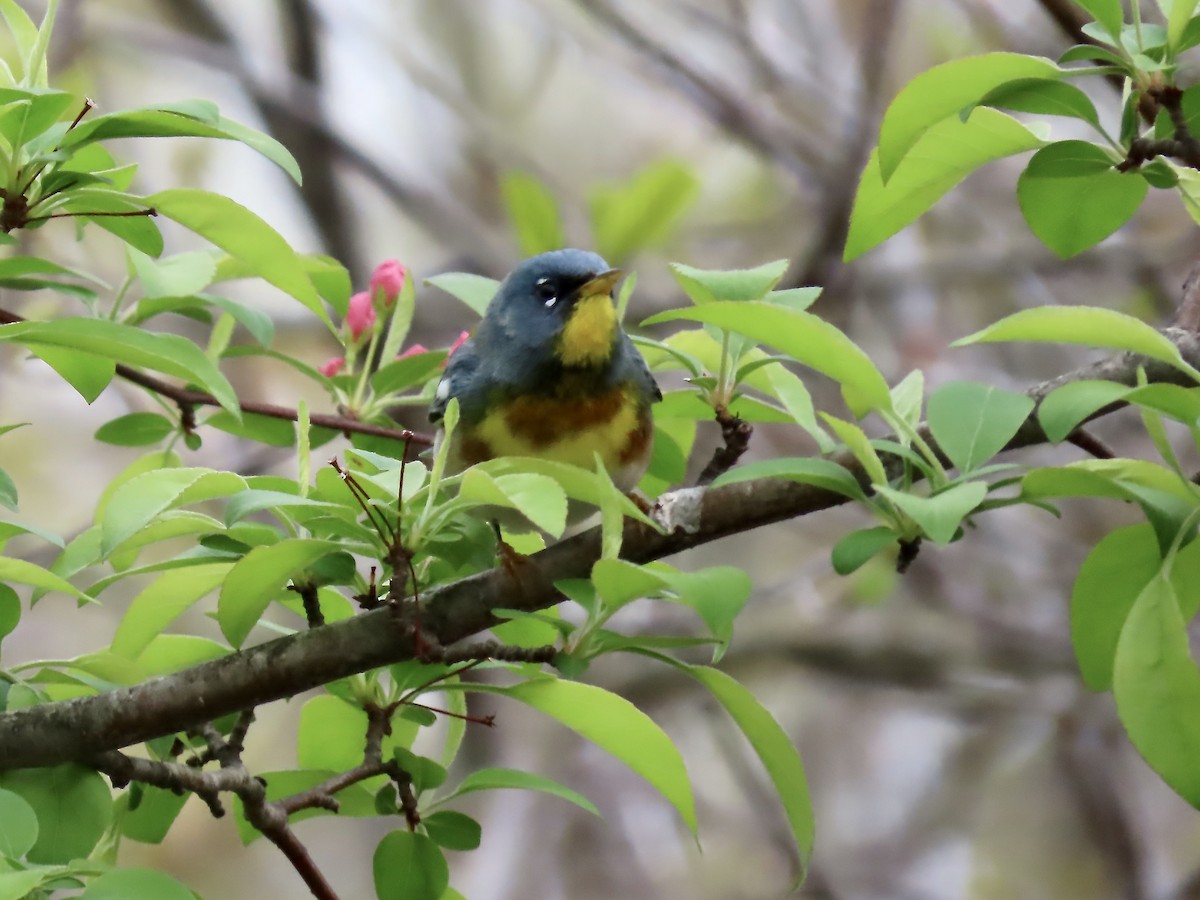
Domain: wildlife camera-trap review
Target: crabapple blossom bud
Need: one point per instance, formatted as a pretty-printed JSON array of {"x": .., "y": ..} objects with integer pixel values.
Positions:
[
  {"x": 360, "y": 315},
  {"x": 413, "y": 351},
  {"x": 387, "y": 281}
]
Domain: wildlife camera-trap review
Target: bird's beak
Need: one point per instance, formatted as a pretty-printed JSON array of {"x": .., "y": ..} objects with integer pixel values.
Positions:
[{"x": 602, "y": 285}]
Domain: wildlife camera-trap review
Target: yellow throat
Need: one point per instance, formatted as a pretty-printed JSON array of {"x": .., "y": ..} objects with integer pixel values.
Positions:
[{"x": 587, "y": 338}]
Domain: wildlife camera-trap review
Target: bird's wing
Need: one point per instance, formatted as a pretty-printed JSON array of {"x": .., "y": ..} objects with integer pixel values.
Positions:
[
  {"x": 460, "y": 369},
  {"x": 641, "y": 371}
]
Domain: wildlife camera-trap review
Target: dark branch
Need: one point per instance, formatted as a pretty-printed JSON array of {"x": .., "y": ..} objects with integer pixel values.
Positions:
[
  {"x": 735, "y": 433},
  {"x": 83, "y": 727}
]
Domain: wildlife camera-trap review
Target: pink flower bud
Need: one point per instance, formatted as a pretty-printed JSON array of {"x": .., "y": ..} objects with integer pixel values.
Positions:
[
  {"x": 462, "y": 338},
  {"x": 360, "y": 315},
  {"x": 413, "y": 351},
  {"x": 332, "y": 366},
  {"x": 387, "y": 281}
]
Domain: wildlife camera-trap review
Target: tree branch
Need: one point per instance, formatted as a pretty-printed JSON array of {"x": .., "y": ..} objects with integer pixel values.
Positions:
[{"x": 83, "y": 727}]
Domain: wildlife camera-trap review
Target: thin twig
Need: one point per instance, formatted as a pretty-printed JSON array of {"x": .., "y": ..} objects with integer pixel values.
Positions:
[{"x": 735, "y": 433}]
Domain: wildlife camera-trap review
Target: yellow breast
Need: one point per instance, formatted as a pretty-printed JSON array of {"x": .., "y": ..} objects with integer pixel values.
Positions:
[{"x": 587, "y": 338}]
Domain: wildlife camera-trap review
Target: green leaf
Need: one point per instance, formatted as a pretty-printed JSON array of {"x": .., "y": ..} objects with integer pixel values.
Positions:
[
  {"x": 73, "y": 809},
  {"x": 138, "y": 231},
  {"x": 643, "y": 211},
  {"x": 10, "y": 610},
  {"x": 855, "y": 549},
  {"x": 1156, "y": 684},
  {"x": 330, "y": 734},
  {"x": 25, "y": 33},
  {"x": 501, "y": 779},
  {"x": 166, "y": 353},
  {"x": 331, "y": 280},
  {"x": 136, "y": 884},
  {"x": 163, "y": 601},
  {"x": 151, "y": 818},
  {"x": 710, "y": 285},
  {"x": 175, "y": 276},
  {"x": 616, "y": 725},
  {"x": 245, "y": 236},
  {"x": 792, "y": 394},
  {"x": 1178, "y": 14},
  {"x": 144, "y": 497},
  {"x": 1111, "y": 578},
  {"x": 940, "y": 515},
  {"x": 426, "y": 774},
  {"x": 409, "y": 866},
  {"x": 1072, "y": 196},
  {"x": 186, "y": 119},
  {"x": 803, "y": 337},
  {"x": 17, "y": 885},
  {"x": 253, "y": 500},
  {"x": 453, "y": 830},
  {"x": 1093, "y": 53},
  {"x": 170, "y": 653},
  {"x": 944, "y": 91},
  {"x": 860, "y": 446},
  {"x": 202, "y": 307},
  {"x": 1106, "y": 12},
  {"x": 619, "y": 582},
  {"x": 577, "y": 483},
  {"x": 774, "y": 748},
  {"x": 717, "y": 594},
  {"x": 942, "y": 157},
  {"x": 822, "y": 473},
  {"x": 23, "y": 572},
  {"x": 18, "y": 825},
  {"x": 1087, "y": 325},
  {"x": 8, "y": 491},
  {"x": 258, "y": 578},
  {"x": 475, "y": 291},
  {"x": 537, "y": 497},
  {"x": 1171, "y": 400},
  {"x": 407, "y": 371},
  {"x": 30, "y": 113},
  {"x": 269, "y": 430},
  {"x": 1063, "y": 409},
  {"x": 135, "y": 429},
  {"x": 88, "y": 373},
  {"x": 533, "y": 212},
  {"x": 1053, "y": 98},
  {"x": 1190, "y": 37},
  {"x": 972, "y": 422}
]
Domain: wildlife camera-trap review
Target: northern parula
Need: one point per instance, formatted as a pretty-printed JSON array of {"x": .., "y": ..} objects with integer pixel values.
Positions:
[{"x": 549, "y": 373}]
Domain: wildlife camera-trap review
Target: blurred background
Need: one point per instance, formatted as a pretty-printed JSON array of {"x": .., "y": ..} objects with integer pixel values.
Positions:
[{"x": 951, "y": 748}]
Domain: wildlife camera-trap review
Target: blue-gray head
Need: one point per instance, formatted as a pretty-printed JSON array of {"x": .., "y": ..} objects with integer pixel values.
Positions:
[{"x": 560, "y": 302}]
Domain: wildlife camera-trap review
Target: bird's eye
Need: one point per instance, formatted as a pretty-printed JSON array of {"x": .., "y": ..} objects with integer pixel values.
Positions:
[{"x": 545, "y": 291}]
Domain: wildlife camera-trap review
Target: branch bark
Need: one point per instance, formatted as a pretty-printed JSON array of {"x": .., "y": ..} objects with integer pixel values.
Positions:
[{"x": 81, "y": 728}]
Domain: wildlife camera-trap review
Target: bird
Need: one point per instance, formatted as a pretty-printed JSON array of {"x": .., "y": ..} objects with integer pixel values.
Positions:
[{"x": 549, "y": 373}]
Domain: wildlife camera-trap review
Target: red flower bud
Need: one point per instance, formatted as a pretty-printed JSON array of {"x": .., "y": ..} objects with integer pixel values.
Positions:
[
  {"x": 413, "y": 351},
  {"x": 458, "y": 342},
  {"x": 332, "y": 366},
  {"x": 387, "y": 281},
  {"x": 360, "y": 315}
]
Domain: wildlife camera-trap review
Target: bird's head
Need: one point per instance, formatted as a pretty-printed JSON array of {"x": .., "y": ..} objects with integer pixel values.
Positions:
[{"x": 561, "y": 301}]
